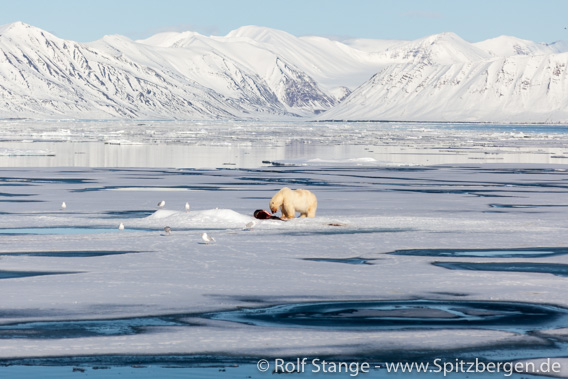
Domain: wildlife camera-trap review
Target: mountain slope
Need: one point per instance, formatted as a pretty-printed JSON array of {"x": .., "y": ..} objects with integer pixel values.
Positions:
[
  {"x": 281, "y": 77},
  {"x": 444, "y": 48},
  {"x": 506, "y": 46},
  {"x": 262, "y": 73},
  {"x": 44, "y": 76},
  {"x": 514, "y": 89},
  {"x": 331, "y": 64},
  {"x": 447, "y": 79},
  {"x": 333, "y": 67}
]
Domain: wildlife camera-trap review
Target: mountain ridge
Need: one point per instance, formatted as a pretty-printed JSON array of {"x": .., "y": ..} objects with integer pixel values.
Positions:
[{"x": 266, "y": 74}]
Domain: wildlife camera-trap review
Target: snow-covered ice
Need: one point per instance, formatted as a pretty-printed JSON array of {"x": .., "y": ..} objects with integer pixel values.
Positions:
[
  {"x": 74, "y": 285},
  {"x": 364, "y": 212}
]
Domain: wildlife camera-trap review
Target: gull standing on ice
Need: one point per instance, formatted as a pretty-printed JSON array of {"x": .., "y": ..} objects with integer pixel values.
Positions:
[
  {"x": 250, "y": 225},
  {"x": 167, "y": 230},
  {"x": 187, "y": 207},
  {"x": 207, "y": 238},
  {"x": 121, "y": 226},
  {"x": 162, "y": 203},
  {"x": 63, "y": 206}
]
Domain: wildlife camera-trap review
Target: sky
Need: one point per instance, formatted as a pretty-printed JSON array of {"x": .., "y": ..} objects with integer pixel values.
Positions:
[{"x": 474, "y": 21}]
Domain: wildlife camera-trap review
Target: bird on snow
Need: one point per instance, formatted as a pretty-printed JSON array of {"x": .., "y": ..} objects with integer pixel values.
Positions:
[
  {"x": 167, "y": 230},
  {"x": 250, "y": 225},
  {"x": 207, "y": 238},
  {"x": 63, "y": 205},
  {"x": 187, "y": 207},
  {"x": 162, "y": 203},
  {"x": 121, "y": 226}
]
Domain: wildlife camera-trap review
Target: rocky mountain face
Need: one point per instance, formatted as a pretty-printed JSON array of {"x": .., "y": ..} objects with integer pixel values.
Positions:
[{"x": 261, "y": 73}]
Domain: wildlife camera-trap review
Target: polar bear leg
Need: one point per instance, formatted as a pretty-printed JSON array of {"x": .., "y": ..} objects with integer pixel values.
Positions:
[
  {"x": 288, "y": 211},
  {"x": 312, "y": 210}
]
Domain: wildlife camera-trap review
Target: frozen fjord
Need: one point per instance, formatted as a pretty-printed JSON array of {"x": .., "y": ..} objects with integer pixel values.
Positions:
[
  {"x": 245, "y": 144},
  {"x": 140, "y": 292}
]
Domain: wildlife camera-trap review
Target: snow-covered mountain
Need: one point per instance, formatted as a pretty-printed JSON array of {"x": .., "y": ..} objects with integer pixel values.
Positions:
[
  {"x": 44, "y": 76},
  {"x": 444, "y": 48},
  {"x": 287, "y": 63},
  {"x": 514, "y": 89},
  {"x": 261, "y": 73},
  {"x": 444, "y": 78},
  {"x": 508, "y": 46}
]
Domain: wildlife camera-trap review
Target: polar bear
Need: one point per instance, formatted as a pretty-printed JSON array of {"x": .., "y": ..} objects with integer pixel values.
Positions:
[{"x": 292, "y": 201}]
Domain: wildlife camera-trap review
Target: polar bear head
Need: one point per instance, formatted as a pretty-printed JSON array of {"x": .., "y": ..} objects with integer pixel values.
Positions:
[{"x": 278, "y": 199}]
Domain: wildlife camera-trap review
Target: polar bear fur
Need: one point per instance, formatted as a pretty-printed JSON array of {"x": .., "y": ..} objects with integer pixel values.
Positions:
[{"x": 292, "y": 201}]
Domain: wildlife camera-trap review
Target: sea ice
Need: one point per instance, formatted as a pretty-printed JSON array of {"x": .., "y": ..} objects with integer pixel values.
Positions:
[
  {"x": 364, "y": 211},
  {"x": 160, "y": 290}
]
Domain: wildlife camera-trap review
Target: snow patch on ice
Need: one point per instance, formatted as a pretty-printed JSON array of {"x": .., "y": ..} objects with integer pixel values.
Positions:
[
  {"x": 211, "y": 218},
  {"x": 162, "y": 213},
  {"x": 230, "y": 219}
]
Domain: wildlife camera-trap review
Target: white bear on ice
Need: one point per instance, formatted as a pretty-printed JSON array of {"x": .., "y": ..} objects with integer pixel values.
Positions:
[{"x": 292, "y": 201}]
